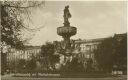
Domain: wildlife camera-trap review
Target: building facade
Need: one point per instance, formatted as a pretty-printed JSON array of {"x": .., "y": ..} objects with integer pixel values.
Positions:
[
  {"x": 86, "y": 47},
  {"x": 14, "y": 54},
  {"x": 85, "y": 51}
]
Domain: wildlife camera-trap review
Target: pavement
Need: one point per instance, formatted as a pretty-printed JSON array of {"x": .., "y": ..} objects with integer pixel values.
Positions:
[
  {"x": 8, "y": 77},
  {"x": 20, "y": 78}
]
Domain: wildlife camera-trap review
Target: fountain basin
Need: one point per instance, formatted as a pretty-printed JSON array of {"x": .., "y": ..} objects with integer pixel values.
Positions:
[{"x": 66, "y": 31}]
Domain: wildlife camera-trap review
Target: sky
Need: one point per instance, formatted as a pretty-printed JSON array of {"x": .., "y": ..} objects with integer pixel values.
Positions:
[{"x": 93, "y": 19}]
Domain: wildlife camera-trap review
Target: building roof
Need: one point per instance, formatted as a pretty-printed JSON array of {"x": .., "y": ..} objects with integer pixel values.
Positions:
[
  {"x": 90, "y": 40},
  {"x": 100, "y": 39},
  {"x": 120, "y": 35},
  {"x": 32, "y": 47}
]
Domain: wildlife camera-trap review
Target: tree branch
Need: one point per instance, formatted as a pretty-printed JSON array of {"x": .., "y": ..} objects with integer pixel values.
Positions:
[{"x": 23, "y": 7}]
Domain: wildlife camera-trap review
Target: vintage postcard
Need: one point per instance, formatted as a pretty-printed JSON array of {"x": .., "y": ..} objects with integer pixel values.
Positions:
[{"x": 68, "y": 40}]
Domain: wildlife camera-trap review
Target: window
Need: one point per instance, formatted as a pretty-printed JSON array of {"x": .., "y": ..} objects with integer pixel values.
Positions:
[
  {"x": 88, "y": 56},
  {"x": 87, "y": 47}
]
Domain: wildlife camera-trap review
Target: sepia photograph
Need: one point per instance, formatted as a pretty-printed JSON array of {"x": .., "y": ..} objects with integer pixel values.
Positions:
[{"x": 63, "y": 40}]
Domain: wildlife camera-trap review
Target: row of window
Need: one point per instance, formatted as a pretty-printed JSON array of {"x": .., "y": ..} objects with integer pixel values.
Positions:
[
  {"x": 84, "y": 55},
  {"x": 21, "y": 54},
  {"x": 88, "y": 47}
]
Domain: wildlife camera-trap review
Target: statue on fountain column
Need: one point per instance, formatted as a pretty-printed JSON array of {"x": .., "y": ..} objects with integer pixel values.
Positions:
[{"x": 66, "y": 16}]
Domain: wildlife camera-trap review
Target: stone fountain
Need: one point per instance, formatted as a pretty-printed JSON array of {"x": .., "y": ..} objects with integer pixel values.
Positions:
[{"x": 67, "y": 31}]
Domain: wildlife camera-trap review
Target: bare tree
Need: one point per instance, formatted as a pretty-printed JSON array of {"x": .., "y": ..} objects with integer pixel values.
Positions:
[
  {"x": 12, "y": 20},
  {"x": 12, "y": 24}
]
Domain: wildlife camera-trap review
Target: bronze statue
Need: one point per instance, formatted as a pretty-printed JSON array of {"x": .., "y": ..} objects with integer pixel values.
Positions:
[{"x": 66, "y": 15}]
